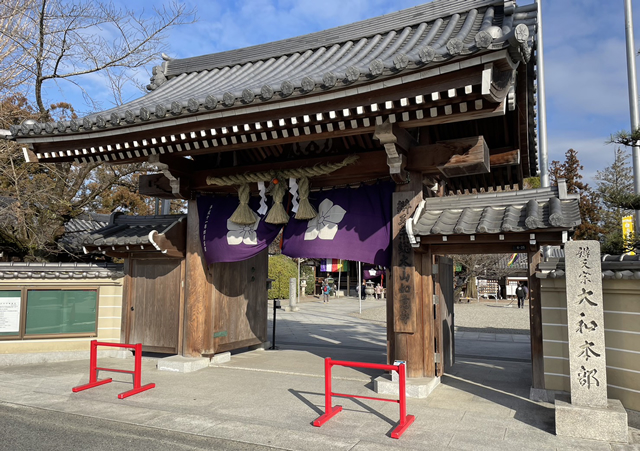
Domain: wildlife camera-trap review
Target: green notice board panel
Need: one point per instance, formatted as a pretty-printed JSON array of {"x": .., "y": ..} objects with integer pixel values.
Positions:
[
  {"x": 10, "y": 312},
  {"x": 61, "y": 312}
]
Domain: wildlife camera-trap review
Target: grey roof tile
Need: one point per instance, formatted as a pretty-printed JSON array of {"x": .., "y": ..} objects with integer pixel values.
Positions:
[
  {"x": 388, "y": 47},
  {"x": 495, "y": 213},
  {"x": 29, "y": 270},
  {"x": 131, "y": 230}
]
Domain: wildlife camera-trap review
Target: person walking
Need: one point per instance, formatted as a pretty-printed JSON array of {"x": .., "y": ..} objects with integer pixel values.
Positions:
[
  {"x": 325, "y": 293},
  {"x": 521, "y": 293}
]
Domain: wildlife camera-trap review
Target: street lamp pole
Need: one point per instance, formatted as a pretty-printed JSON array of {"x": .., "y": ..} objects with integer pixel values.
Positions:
[{"x": 633, "y": 99}]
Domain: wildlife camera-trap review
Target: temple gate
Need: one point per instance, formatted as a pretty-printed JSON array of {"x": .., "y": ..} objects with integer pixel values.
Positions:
[{"x": 439, "y": 99}]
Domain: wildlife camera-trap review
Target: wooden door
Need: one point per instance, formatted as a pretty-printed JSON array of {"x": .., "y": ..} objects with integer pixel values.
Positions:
[
  {"x": 240, "y": 303},
  {"x": 156, "y": 304},
  {"x": 445, "y": 345}
]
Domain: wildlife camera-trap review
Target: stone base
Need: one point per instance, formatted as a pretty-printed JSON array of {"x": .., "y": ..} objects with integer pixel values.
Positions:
[
  {"x": 608, "y": 424},
  {"x": 415, "y": 387},
  {"x": 180, "y": 364},
  {"x": 218, "y": 359},
  {"x": 260, "y": 346},
  {"x": 291, "y": 309},
  {"x": 541, "y": 395}
]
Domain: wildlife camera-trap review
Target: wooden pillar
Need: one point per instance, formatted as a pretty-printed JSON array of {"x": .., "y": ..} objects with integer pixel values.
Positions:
[
  {"x": 198, "y": 335},
  {"x": 535, "y": 318},
  {"x": 408, "y": 291}
]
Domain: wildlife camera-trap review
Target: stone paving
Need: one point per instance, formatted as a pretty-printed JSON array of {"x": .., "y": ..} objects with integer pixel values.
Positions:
[{"x": 270, "y": 398}]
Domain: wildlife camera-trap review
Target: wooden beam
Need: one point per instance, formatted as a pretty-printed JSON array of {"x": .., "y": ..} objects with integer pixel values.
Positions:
[
  {"x": 509, "y": 157},
  {"x": 370, "y": 165},
  {"x": 473, "y": 161},
  {"x": 427, "y": 158}
]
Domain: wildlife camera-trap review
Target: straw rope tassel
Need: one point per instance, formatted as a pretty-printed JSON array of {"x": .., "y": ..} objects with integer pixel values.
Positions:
[
  {"x": 305, "y": 209},
  {"x": 243, "y": 214},
  {"x": 277, "y": 213}
]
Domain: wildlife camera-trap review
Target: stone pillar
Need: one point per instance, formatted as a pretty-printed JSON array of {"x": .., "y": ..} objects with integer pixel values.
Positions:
[
  {"x": 590, "y": 414},
  {"x": 293, "y": 307}
]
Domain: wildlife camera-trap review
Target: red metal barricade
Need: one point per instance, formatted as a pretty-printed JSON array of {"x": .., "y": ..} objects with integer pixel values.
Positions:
[
  {"x": 137, "y": 372},
  {"x": 331, "y": 411}
]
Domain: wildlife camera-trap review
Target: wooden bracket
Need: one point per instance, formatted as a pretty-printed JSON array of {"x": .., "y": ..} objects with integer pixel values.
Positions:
[
  {"x": 396, "y": 142},
  {"x": 170, "y": 171}
]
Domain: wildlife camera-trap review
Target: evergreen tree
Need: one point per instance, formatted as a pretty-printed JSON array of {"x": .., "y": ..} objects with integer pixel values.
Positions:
[
  {"x": 589, "y": 200},
  {"x": 614, "y": 182}
]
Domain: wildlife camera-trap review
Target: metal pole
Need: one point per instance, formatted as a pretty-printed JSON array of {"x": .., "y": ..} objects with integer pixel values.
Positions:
[
  {"x": 298, "y": 297},
  {"x": 339, "y": 276},
  {"x": 360, "y": 285},
  {"x": 633, "y": 99},
  {"x": 327, "y": 386},
  {"x": 542, "y": 105}
]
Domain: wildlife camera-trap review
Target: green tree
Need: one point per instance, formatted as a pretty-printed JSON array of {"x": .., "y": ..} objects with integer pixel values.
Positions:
[
  {"x": 44, "y": 43},
  {"x": 569, "y": 170},
  {"x": 281, "y": 269},
  {"x": 615, "y": 183}
]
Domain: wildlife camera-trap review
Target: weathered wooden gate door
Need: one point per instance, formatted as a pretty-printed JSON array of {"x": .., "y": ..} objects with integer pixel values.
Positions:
[
  {"x": 444, "y": 314},
  {"x": 155, "y": 304},
  {"x": 240, "y": 300}
]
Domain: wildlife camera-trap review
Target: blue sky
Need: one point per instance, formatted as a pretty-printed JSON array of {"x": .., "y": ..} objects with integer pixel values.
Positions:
[{"x": 584, "y": 44}]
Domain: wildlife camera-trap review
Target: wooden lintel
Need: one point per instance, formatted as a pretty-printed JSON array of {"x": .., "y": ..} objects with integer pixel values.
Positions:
[
  {"x": 370, "y": 165},
  {"x": 471, "y": 162}
]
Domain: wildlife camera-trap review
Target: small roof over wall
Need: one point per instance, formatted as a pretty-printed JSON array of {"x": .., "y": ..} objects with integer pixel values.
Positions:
[
  {"x": 163, "y": 236},
  {"x": 536, "y": 217},
  {"x": 613, "y": 267},
  {"x": 60, "y": 271}
]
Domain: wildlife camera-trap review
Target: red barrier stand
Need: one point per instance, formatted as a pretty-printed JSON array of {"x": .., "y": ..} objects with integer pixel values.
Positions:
[
  {"x": 93, "y": 364},
  {"x": 331, "y": 411}
]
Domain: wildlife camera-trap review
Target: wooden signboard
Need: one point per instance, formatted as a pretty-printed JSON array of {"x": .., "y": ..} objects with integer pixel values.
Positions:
[{"x": 403, "y": 268}]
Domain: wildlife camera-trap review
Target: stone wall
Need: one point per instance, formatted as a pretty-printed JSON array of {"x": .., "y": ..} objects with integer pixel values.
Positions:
[{"x": 622, "y": 337}]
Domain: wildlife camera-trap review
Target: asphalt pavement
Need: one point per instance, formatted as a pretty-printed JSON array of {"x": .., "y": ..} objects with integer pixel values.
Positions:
[{"x": 269, "y": 399}]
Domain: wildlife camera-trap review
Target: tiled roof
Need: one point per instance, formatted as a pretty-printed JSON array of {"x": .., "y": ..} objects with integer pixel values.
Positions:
[
  {"x": 21, "y": 270},
  {"x": 77, "y": 229},
  {"x": 132, "y": 230},
  {"x": 332, "y": 60},
  {"x": 493, "y": 213},
  {"x": 613, "y": 267}
]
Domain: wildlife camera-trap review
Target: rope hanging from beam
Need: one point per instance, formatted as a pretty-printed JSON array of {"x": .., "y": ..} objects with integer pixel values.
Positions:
[{"x": 277, "y": 215}]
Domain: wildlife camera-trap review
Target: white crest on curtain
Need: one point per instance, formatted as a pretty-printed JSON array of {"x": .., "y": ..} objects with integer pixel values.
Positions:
[
  {"x": 325, "y": 225},
  {"x": 242, "y": 234}
]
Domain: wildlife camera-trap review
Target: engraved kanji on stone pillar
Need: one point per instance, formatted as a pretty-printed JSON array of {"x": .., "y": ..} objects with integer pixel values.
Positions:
[{"x": 585, "y": 318}]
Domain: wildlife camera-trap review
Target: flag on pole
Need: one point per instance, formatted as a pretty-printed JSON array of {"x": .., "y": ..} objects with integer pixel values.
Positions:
[{"x": 333, "y": 265}]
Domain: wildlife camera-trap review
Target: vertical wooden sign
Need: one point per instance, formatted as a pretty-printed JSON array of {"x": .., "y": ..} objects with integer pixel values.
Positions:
[{"x": 404, "y": 296}]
